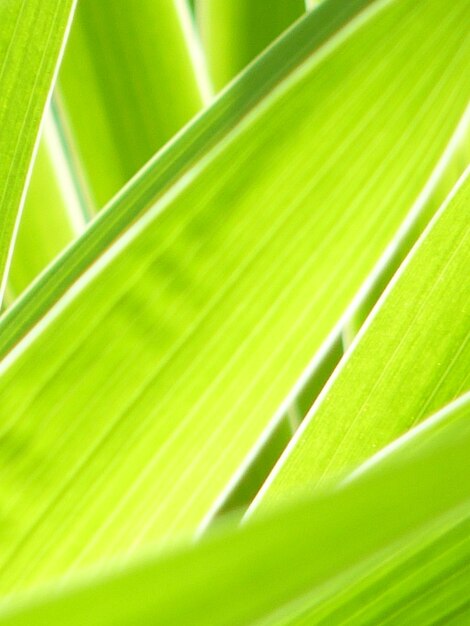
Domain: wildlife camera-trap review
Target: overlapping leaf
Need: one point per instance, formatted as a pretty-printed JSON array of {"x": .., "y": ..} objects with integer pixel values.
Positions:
[
  {"x": 410, "y": 359},
  {"x": 145, "y": 389},
  {"x": 235, "y": 31},
  {"x": 31, "y": 38},
  {"x": 130, "y": 79},
  {"x": 390, "y": 545},
  {"x": 171, "y": 163},
  {"x": 52, "y": 215}
]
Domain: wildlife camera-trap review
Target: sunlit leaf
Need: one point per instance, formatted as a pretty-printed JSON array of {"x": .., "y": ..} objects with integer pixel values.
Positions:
[
  {"x": 130, "y": 79},
  {"x": 390, "y": 545},
  {"x": 235, "y": 31},
  {"x": 169, "y": 164},
  {"x": 52, "y": 214},
  {"x": 410, "y": 359},
  {"x": 31, "y": 38},
  {"x": 149, "y": 386}
]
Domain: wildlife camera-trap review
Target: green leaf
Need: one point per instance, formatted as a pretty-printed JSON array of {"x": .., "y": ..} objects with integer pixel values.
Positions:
[
  {"x": 52, "y": 214},
  {"x": 235, "y": 31},
  {"x": 410, "y": 358},
  {"x": 31, "y": 38},
  {"x": 310, "y": 4},
  {"x": 150, "y": 385},
  {"x": 170, "y": 163},
  {"x": 380, "y": 549},
  {"x": 450, "y": 168},
  {"x": 130, "y": 79}
]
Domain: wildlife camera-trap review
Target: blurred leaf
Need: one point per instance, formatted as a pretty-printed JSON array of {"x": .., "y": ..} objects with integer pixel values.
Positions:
[
  {"x": 403, "y": 521},
  {"x": 151, "y": 384},
  {"x": 235, "y": 31},
  {"x": 52, "y": 214},
  {"x": 31, "y": 37},
  {"x": 410, "y": 359},
  {"x": 173, "y": 161},
  {"x": 130, "y": 79}
]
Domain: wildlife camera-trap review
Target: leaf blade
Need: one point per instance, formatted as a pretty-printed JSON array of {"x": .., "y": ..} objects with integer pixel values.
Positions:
[
  {"x": 423, "y": 478},
  {"x": 235, "y": 31},
  {"x": 170, "y": 164},
  {"x": 31, "y": 42},
  {"x": 166, "y": 344},
  {"x": 52, "y": 215},
  {"x": 129, "y": 81},
  {"x": 382, "y": 393}
]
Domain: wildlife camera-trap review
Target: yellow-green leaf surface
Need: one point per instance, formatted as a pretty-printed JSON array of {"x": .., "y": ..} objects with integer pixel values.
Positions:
[
  {"x": 186, "y": 337},
  {"x": 52, "y": 214},
  {"x": 410, "y": 359},
  {"x": 235, "y": 31},
  {"x": 253, "y": 87},
  {"x": 130, "y": 79},
  {"x": 389, "y": 547},
  {"x": 452, "y": 165},
  {"x": 31, "y": 38}
]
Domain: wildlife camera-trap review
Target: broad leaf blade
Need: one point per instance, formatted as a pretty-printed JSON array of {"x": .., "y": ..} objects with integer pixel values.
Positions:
[
  {"x": 450, "y": 168},
  {"x": 187, "y": 308},
  {"x": 314, "y": 562},
  {"x": 163, "y": 171},
  {"x": 410, "y": 359}
]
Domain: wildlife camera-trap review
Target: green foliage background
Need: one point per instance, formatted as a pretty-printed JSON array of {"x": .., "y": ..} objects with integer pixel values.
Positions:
[{"x": 234, "y": 262}]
